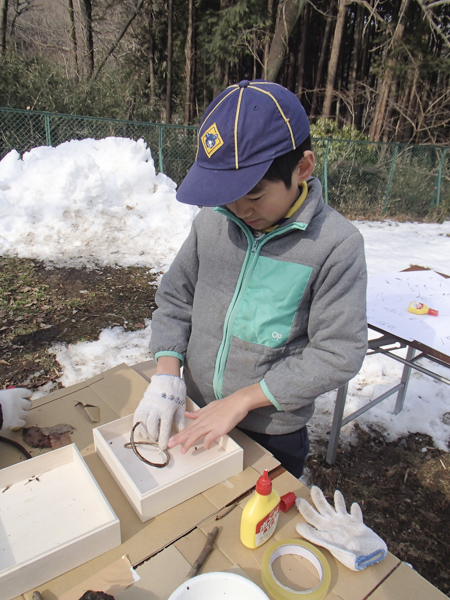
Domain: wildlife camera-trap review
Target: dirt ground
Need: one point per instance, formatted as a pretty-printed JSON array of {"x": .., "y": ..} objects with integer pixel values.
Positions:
[
  {"x": 403, "y": 487},
  {"x": 40, "y": 307}
]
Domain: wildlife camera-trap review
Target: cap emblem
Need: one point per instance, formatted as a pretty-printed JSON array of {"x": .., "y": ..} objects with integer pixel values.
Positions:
[{"x": 211, "y": 140}]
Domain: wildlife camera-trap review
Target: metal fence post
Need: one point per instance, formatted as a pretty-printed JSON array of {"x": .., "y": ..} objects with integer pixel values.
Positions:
[
  {"x": 160, "y": 149},
  {"x": 325, "y": 173},
  {"x": 391, "y": 175},
  {"x": 439, "y": 179},
  {"x": 48, "y": 137}
]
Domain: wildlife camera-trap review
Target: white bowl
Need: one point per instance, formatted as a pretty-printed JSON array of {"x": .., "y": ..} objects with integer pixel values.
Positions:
[{"x": 215, "y": 586}]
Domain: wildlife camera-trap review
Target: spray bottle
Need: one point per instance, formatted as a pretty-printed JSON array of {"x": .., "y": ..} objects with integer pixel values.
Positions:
[{"x": 260, "y": 515}]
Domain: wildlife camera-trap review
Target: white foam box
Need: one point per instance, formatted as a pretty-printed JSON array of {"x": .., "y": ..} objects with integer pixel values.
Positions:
[
  {"x": 151, "y": 490},
  {"x": 53, "y": 518}
]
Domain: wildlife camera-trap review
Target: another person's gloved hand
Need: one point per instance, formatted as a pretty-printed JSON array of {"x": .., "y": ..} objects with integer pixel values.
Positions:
[
  {"x": 163, "y": 404},
  {"x": 14, "y": 406},
  {"x": 343, "y": 534}
]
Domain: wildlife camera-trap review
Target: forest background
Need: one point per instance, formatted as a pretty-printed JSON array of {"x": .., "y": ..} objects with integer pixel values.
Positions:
[{"x": 376, "y": 69}]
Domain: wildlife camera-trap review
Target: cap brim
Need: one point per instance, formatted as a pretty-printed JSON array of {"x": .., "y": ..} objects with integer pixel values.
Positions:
[{"x": 209, "y": 187}]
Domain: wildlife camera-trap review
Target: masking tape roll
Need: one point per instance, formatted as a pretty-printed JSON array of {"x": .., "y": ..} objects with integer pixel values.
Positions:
[{"x": 300, "y": 548}]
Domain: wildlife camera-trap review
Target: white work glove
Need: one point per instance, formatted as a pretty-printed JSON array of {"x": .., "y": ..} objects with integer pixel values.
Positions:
[
  {"x": 344, "y": 535},
  {"x": 14, "y": 407},
  {"x": 163, "y": 404}
]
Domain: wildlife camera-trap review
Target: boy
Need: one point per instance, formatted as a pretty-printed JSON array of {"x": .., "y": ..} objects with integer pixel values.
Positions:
[{"x": 265, "y": 304}]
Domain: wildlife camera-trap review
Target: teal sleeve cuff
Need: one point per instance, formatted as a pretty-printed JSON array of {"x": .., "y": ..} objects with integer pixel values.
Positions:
[
  {"x": 169, "y": 353},
  {"x": 269, "y": 396}
]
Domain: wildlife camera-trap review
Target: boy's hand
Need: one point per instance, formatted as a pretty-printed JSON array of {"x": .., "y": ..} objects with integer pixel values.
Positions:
[
  {"x": 14, "y": 407},
  {"x": 163, "y": 404},
  {"x": 219, "y": 417}
]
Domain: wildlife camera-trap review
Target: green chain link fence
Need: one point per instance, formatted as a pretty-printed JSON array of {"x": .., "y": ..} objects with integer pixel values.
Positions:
[
  {"x": 173, "y": 147},
  {"x": 360, "y": 179},
  {"x": 369, "y": 179}
]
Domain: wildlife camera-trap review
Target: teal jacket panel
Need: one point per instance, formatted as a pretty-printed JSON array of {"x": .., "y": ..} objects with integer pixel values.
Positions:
[{"x": 276, "y": 302}]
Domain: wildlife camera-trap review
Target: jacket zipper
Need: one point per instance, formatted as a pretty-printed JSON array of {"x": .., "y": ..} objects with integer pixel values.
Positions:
[{"x": 253, "y": 251}]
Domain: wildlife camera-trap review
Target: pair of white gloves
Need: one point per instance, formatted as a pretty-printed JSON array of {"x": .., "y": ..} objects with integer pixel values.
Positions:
[
  {"x": 343, "y": 534},
  {"x": 14, "y": 407},
  {"x": 162, "y": 407}
]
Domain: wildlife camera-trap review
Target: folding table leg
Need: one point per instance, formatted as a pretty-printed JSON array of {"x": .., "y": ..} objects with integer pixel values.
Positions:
[
  {"x": 336, "y": 425},
  {"x": 405, "y": 380}
]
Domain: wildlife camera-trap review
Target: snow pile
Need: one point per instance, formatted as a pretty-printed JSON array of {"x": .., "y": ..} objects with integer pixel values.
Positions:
[{"x": 90, "y": 202}]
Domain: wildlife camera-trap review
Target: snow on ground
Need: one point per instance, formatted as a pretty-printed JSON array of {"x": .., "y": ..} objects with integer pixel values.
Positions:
[{"x": 100, "y": 202}]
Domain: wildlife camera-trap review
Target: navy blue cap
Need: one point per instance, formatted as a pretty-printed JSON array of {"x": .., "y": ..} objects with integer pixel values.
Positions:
[{"x": 242, "y": 131}]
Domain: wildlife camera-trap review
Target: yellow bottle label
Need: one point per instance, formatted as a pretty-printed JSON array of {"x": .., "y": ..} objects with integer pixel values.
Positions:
[
  {"x": 259, "y": 519},
  {"x": 266, "y": 527}
]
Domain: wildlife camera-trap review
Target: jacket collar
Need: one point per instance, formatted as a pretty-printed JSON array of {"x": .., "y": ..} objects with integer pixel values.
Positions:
[{"x": 303, "y": 216}]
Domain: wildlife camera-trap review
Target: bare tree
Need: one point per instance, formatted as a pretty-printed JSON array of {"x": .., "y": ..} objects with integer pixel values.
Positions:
[
  {"x": 334, "y": 58},
  {"x": 321, "y": 63},
  {"x": 122, "y": 32},
  {"x": 287, "y": 16},
  {"x": 86, "y": 10},
  {"x": 301, "y": 59},
  {"x": 221, "y": 70},
  {"x": 268, "y": 33},
  {"x": 388, "y": 78},
  {"x": 73, "y": 34},
  {"x": 169, "y": 61},
  {"x": 3, "y": 24},
  {"x": 435, "y": 23},
  {"x": 189, "y": 52},
  {"x": 150, "y": 54},
  {"x": 356, "y": 60}
]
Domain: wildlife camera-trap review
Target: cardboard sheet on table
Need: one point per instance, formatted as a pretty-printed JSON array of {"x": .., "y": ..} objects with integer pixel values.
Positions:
[
  {"x": 144, "y": 540},
  {"x": 154, "y": 582},
  {"x": 250, "y": 561},
  {"x": 191, "y": 546},
  {"x": 116, "y": 393},
  {"x": 115, "y": 578},
  {"x": 345, "y": 584},
  {"x": 139, "y": 540},
  {"x": 255, "y": 455},
  {"x": 406, "y": 584}
]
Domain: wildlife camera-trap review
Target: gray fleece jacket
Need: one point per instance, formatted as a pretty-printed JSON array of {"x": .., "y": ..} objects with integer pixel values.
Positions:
[{"x": 286, "y": 309}]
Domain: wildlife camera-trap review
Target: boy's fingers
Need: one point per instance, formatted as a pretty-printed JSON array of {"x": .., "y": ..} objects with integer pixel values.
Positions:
[
  {"x": 191, "y": 415},
  {"x": 179, "y": 438},
  {"x": 188, "y": 437}
]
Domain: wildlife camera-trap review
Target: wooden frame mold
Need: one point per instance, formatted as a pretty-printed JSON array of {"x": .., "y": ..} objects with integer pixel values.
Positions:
[
  {"x": 53, "y": 518},
  {"x": 152, "y": 491}
]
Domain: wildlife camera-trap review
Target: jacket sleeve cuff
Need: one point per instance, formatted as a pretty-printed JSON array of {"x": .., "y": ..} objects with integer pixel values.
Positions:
[
  {"x": 269, "y": 396},
  {"x": 169, "y": 353}
]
